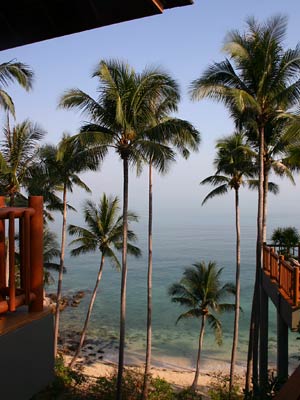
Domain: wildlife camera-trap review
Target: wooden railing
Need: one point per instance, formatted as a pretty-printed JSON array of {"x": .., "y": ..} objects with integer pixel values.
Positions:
[
  {"x": 285, "y": 274},
  {"x": 27, "y": 288}
]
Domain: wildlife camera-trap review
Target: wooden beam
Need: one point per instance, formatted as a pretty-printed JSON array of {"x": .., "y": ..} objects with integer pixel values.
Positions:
[{"x": 159, "y": 5}]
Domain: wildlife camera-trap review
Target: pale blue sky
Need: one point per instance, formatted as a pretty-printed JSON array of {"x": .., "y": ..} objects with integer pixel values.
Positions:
[{"x": 184, "y": 41}]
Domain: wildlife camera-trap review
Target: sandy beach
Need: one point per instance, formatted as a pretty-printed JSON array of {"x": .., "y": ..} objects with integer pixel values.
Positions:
[{"x": 94, "y": 362}]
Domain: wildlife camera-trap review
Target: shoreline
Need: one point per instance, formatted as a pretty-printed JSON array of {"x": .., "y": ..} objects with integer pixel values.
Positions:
[
  {"x": 179, "y": 377},
  {"x": 95, "y": 361}
]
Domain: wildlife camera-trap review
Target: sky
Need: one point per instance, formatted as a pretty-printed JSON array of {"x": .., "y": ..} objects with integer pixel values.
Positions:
[{"x": 184, "y": 41}]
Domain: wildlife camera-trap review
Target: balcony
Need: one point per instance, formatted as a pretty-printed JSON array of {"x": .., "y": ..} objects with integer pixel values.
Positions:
[
  {"x": 26, "y": 327},
  {"x": 281, "y": 281}
]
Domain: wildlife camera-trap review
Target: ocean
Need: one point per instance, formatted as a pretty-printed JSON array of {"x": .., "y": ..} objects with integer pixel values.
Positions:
[{"x": 177, "y": 243}]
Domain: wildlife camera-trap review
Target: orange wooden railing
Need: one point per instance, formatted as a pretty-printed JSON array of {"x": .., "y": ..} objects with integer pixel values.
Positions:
[
  {"x": 285, "y": 274},
  {"x": 30, "y": 229}
]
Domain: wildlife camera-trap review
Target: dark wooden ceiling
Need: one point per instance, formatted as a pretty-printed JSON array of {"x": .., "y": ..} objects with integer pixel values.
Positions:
[{"x": 28, "y": 21}]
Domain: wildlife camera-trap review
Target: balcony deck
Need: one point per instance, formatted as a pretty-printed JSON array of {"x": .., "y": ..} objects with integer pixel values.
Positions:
[{"x": 281, "y": 281}]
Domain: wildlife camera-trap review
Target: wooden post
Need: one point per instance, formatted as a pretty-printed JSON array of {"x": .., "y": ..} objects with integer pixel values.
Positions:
[
  {"x": 36, "y": 252},
  {"x": 282, "y": 348},
  {"x": 26, "y": 246},
  {"x": 264, "y": 334},
  {"x": 281, "y": 259},
  {"x": 296, "y": 285},
  {"x": 11, "y": 248},
  {"x": 2, "y": 247}
]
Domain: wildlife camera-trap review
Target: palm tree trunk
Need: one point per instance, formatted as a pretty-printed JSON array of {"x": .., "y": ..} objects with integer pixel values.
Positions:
[
  {"x": 88, "y": 315},
  {"x": 255, "y": 313},
  {"x": 61, "y": 269},
  {"x": 149, "y": 294},
  {"x": 123, "y": 281},
  {"x": 265, "y": 201},
  {"x": 197, "y": 372},
  {"x": 237, "y": 296}
]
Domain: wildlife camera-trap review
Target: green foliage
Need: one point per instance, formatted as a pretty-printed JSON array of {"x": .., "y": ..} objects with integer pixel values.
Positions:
[
  {"x": 285, "y": 238},
  {"x": 132, "y": 387},
  {"x": 70, "y": 384},
  {"x": 103, "y": 230},
  {"x": 188, "y": 394},
  {"x": 160, "y": 389},
  {"x": 220, "y": 389},
  {"x": 200, "y": 291},
  {"x": 67, "y": 376}
]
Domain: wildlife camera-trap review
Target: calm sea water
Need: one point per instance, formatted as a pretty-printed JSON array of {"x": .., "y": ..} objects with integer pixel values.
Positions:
[{"x": 177, "y": 243}]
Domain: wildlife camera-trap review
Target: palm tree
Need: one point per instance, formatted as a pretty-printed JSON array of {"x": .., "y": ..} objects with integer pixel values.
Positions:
[
  {"x": 277, "y": 140},
  {"x": 233, "y": 162},
  {"x": 9, "y": 72},
  {"x": 18, "y": 152},
  {"x": 50, "y": 251},
  {"x": 182, "y": 136},
  {"x": 257, "y": 87},
  {"x": 104, "y": 233},
  {"x": 201, "y": 292},
  {"x": 285, "y": 239},
  {"x": 63, "y": 163},
  {"x": 118, "y": 120}
]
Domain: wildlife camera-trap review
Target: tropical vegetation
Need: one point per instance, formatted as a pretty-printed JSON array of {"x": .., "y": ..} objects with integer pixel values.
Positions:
[
  {"x": 103, "y": 232},
  {"x": 259, "y": 83},
  {"x": 133, "y": 114},
  {"x": 234, "y": 163},
  {"x": 201, "y": 292}
]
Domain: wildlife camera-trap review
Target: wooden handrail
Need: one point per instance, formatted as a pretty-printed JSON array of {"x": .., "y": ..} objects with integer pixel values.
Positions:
[
  {"x": 30, "y": 290},
  {"x": 285, "y": 274}
]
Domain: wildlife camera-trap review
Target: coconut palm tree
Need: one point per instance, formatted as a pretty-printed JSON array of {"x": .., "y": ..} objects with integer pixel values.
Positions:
[
  {"x": 18, "y": 152},
  {"x": 234, "y": 162},
  {"x": 277, "y": 140},
  {"x": 258, "y": 82},
  {"x": 200, "y": 291},
  {"x": 104, "y": 233},
  {"x": 50, "y": 251},
  {"x": 182, "y": 136},
  {"x": 118, "y": 119},
  {"x": 63, "y": 163},
  {"x": 286, "y": 239},
  {"x": 13, "y": 71}
]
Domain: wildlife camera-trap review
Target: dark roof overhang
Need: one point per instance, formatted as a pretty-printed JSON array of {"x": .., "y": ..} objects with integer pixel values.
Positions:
[{"x": 28, "y": 21}]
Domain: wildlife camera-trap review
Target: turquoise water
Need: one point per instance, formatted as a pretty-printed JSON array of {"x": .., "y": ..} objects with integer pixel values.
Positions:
[{"x": 177, "y": 244}]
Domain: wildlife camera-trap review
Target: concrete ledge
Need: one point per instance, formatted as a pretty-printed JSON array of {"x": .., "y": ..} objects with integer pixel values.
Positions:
[{"x": 26, "y": 354}]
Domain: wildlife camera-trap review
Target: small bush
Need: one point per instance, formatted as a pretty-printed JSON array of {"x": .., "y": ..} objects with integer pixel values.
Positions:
[
  {"x": 188, "y": 394},
  {"x": 160, "y": 390},
  {"x": 220, "y": 389}
]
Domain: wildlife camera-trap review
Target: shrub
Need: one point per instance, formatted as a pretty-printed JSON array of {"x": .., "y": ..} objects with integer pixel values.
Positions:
[{"x": 220, "y": 389}]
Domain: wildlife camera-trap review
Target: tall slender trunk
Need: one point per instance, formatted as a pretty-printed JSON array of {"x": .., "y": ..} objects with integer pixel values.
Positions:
[
  {"x": 149, "y": 294},
  {"x": 237, "y": 296},
  {"x": 255, "y": 313},
  {"x": 61, "y": 269},
  {"x": 123, "y": 281},
  {"x": 197, "y": 372},
  {"x": 88, "y": 315},
  {"x": 265, "y": 201}
]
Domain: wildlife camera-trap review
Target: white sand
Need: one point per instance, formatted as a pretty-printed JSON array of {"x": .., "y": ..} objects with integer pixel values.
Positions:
[{"x": 179, "y": 376}]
